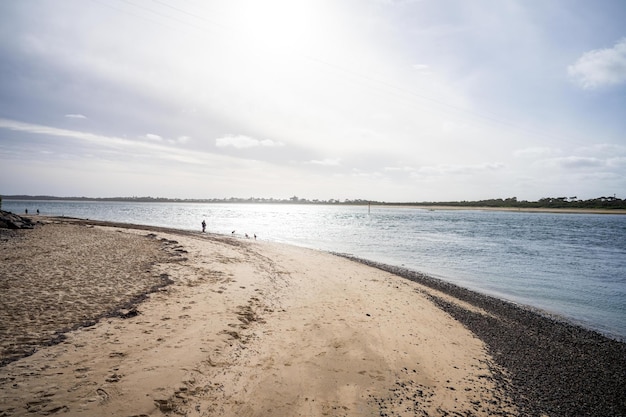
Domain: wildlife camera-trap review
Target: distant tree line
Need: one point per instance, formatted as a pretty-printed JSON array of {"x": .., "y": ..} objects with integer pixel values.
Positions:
[
  {"x": 547, "y": 202},
  {"x": 512, "y": 202}
]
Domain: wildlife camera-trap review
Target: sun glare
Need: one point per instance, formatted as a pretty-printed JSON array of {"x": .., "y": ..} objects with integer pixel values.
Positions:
[{"x": 277, "y": 26}]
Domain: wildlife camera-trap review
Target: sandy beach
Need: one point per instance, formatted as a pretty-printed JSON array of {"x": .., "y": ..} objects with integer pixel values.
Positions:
[{"x": 101, "y": 319}]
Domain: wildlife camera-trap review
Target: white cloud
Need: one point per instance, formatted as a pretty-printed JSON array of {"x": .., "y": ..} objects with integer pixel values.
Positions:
[
  {"x": 616, "y": 162},
  {"x": 446, "y": 169},
  {"x": 422, "y": 69},
  {"x": 158, "y": 138},
  {"x": 182, "y": 139},
  {"x": 420, "y": 66},
  {"x": 75, "y": 116},
  {"x": 606, "y": 149},
  {"x": 600, "y": 67},
  {"x": 580, "y": 162},
  {"x": 112, "y": 144},
  {"x": 153, "y": 137},
  {"x": 327, "y": 162},
  {"x": 399, "y": 169},
  {"x": 243, "y": 142},
  {"x": 533, "y": 152},
  {"x": 598, "y": 156}
]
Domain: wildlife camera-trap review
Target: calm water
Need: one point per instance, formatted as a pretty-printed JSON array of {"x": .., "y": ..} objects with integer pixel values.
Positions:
[{"x": 572, "y": 265}]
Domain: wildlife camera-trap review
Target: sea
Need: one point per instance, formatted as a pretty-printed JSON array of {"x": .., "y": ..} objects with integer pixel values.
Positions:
[{"x": 571, "y": 266}]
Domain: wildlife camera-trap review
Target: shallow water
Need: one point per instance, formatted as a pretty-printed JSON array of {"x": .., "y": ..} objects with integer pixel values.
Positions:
[{"x": 572, "y": 265}]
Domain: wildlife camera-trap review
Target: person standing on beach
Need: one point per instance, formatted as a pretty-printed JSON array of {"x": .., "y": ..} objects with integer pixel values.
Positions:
[{"x": 203, "y": 226}]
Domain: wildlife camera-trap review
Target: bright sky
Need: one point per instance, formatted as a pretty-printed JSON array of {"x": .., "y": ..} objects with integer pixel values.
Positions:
[{"x": 388, "y": 100}]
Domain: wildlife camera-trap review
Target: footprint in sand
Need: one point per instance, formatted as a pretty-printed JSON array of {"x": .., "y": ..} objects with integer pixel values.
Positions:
[
  {"x": 114, "y": 378},
  {"x": 104, "y": 396}
]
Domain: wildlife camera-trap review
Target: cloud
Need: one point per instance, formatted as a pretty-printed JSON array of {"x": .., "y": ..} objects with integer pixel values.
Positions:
[
  {"x": 158, "y": 138},
  {"x": 606, "y": 149},
  {"x": 399, "y": 169},
  {"x": 420, "y": 66},
  {"x": 75, "y": 116},
  {"x": 327, "y": 162},
  {"x": 153, "y": 137},
  {"x": 575, "y": 162},
  {"x": 601, "y": 156},
  {"x": 422, "y": 69},
  {"x": 600, "y": 67},
  {"x": 112, "y": 144},
  {"x": 445, "y": 169},
  {"x": 616, "y": 162},
  {"x": 243, "y": 142},
  {"x": 182, "y": 139},
  {"x": 533, "y": 152}
]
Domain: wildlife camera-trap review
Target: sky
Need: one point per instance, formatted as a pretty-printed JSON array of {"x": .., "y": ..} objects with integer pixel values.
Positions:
[{"x": 386, "y": 100}]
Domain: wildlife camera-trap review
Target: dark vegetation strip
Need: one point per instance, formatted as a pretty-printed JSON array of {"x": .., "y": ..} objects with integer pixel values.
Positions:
[{"x": 602, "y": 203}]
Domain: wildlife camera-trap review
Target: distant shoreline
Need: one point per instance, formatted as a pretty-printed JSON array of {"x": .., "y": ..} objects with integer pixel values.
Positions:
[
  {"x": 514, "y": 209},
  {"x": 424, "y": 206}
]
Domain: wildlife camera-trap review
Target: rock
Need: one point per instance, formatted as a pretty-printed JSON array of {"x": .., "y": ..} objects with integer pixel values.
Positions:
[
  {"x": 128, "y": 313},
  {"x": 9, "y": 220}
]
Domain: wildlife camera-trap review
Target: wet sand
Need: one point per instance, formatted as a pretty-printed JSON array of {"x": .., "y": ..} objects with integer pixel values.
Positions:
[{"x": 105, "y": 319}]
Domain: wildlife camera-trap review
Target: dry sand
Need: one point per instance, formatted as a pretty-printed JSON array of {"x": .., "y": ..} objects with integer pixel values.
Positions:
[{"x": 244, "y": 328}]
